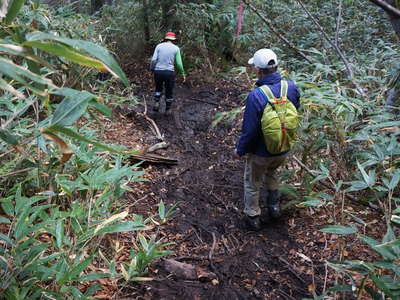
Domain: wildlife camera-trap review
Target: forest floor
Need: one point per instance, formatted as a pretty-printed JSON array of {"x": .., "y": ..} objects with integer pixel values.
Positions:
[{"x": 285, "y": 260}]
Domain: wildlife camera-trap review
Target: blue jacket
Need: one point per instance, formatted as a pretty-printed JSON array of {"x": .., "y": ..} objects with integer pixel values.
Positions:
[{"x": 251, "y": 140}]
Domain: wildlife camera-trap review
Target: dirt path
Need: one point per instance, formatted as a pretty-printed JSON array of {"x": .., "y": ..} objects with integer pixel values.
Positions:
[
  {"x": 207, "y": 229},
  {"x": 286, "y": 260}
]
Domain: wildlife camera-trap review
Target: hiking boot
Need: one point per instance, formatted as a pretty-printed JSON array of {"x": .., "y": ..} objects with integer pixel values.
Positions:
[
  {"x": 274, "y": 204},
  {"x": 253, "y": 223},
  {"x": 265, "y": 216},
  {"x": 168, "y": 104},
  {"x": 156, "y": 106}
]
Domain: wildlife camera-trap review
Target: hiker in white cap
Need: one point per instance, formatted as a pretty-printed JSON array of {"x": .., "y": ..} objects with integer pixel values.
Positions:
[
  {"x": 268, "y": 132},
  {"x": 166, "y": 54}
]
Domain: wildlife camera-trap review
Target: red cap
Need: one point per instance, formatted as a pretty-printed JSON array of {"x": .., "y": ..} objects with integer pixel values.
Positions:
[{"x": 170, "y": 36}]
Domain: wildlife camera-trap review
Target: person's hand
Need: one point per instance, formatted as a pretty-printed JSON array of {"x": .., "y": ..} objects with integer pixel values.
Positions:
[{"x": 184, "y": 78}]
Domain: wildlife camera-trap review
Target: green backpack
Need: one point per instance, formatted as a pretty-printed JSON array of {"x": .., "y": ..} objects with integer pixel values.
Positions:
[{"x": 280, "y": 120}]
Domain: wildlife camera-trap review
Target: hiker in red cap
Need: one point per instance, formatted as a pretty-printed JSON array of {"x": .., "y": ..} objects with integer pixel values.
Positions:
[{"x": 163, "y": 62}]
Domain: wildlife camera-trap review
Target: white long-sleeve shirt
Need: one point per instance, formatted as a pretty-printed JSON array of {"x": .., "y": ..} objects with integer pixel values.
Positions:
[{"x": 165, "y": 56}]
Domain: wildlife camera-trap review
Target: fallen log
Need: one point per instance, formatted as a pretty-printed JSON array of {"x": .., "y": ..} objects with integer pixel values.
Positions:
[
  {"x": 187, "y": 271},
  {"x": 154, "y": 158}
]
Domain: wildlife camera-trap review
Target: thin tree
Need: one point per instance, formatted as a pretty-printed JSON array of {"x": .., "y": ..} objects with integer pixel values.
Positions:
[{"x": 393, "y": 12}]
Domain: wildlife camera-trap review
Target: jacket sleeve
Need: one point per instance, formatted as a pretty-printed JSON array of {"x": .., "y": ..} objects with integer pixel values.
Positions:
[
  {"x": 250, "y": 125},
  {"x": 179, "y": 63},
  {"x": 154, "y": 59}
]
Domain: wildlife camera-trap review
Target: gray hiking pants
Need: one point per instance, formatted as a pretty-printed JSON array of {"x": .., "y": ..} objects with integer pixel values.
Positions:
[{"x": 258, "y": 171}]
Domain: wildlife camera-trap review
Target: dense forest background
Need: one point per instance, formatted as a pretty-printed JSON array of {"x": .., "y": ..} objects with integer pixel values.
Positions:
[{"x": 73, "y": 224}]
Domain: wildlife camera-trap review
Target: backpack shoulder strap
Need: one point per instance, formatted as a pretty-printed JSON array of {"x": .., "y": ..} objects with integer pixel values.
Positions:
[
  {"x": 267, "y": 92},
  {"x": 284, "y": 88},
  {"x": 270, "y": 96}
]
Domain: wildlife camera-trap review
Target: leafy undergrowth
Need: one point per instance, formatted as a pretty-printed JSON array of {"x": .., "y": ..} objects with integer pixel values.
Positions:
[{"x": 286, "y": 260}]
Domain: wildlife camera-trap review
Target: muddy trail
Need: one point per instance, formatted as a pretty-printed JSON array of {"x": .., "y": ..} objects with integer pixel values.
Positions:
[
  {"x": 285, "y": 260},
  {"x": 208, "y": 229}
]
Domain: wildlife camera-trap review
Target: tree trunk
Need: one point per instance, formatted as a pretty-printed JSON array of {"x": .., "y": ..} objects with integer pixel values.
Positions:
[
  {"x": 146, "y": 23},
  {"x": 393, "y": 96},
  {"x": 96, "y": 5},
  {"x": 166, "y": 14}
]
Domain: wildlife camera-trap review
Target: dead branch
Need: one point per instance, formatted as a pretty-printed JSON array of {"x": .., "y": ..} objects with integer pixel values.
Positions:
[
  {"x": 212, "y": 250},
  {"x": 285, "y": 295},
  {"x": 6, "y": 153},
  {"x": 161, "y": 145},
  {"x": 151, "y": 121},
  {"x": 273, "y": 29},
  {"x": 387, "y": 7},
  {"x": 350, "y": 73},
  {"x": 226, "y": 245},
  {"x": 16, "y": 172},
  {"x": 154, "y": 158},
  {"x": 291, "y": 268}
]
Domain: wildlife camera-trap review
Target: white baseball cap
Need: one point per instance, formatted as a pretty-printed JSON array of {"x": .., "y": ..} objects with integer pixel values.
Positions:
[{"x": 262, "y": 58}]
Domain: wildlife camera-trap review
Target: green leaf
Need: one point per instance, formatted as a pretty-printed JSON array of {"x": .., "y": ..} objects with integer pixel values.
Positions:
[
  {"x": 161, "y": 210},
  {"x": 93, "y": 288},
  {"x": 13, "y": 49},
  {"x": 6, "y": 136},
  {"x": 357, "y": 219},
  {"x": 29, "y": 214},
  {"x": 75, "y": 135},
  {"x": 73, "y": 274},
  {"x": 381, "y": 285},
  {"x": 7, "y": 205},
  {"x": 59, "y": 233},
  {"x": 389, "y": 236},
  {"x": 172, "y": 209},
  {"x": 88, "y": 47},
  {"x": 77, "y": 294},
  {"x": 356, "y": 186},
  {"x": 143, "y": 242},
  {"x": 14, "y": 6},
  {"x": 141, "y": 278},
  {"x": 395, "y": 219},
  {"x": 369, "y": 179},
  {"x": 122, "y": 227},
  {"x": 5, "y": 238},
  {"x": 101, "y": 108},
  {"x": 311, "y": 203},
  {"x": 68, "y": 52},
  {"x": 395, "y": 180},
  {"x": 71, "y": 108},
  {"x": 373, "y": 294},
  {"x": 389, "y": 244},
  {"x": 339, "y": 229},
  {"x": 93, "y": 276},
  {"x": 23, "y": 76},
  {"x": 387, "y": 265},
  {"x": 341, "y": 288},
  {"x": 22, "y": 203},
  {"x": 9, "y": 88},
  {"x": 386, "y": 253},
  {"x": 4, "y": 220}
]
